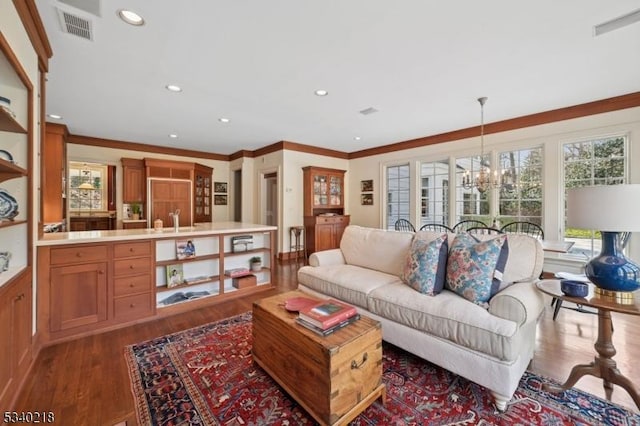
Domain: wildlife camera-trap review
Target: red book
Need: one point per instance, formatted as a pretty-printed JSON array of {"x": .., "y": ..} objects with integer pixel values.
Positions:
[{"x": 327, "y": 313}]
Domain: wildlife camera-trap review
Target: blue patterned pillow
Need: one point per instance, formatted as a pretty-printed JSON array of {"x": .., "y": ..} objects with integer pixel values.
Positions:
[
  {"x": 471, "y": 267},
  {"x": 426, "y": 264}
]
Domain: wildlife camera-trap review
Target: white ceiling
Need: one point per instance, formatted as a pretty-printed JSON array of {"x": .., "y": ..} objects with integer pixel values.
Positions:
[{"x": 421, "y": 63}]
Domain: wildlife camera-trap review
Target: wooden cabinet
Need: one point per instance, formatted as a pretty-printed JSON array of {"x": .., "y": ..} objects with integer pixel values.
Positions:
[
  {"x": 323, "y": 190},
  {"x": 53, "y": 173},
  {"x": 15, "y": 335},
  {"x": 133, "y": 181},
  {"x": 324, "y": 218},
  {"x": 196, "y": 208},
  {"x": 324, "y": 232},
  {"x": 93, "y": 287},
  {"x": 17, "y": 137},
  {"x": 133, "y": 281},
  {"x": 78, "y": 287},
  {"x": 202, "y": 193},
  {"x": 90, "y": 223}
]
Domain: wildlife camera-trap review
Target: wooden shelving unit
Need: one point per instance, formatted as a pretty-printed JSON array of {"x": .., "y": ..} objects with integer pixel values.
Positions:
[{"x": 8, "y": 123}]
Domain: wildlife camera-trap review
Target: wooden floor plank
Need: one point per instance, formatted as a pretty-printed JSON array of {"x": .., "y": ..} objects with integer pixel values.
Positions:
[{"x": 85, "y": 381}]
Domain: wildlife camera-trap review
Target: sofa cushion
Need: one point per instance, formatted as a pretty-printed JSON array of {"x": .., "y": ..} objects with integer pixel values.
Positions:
[
  {"x": 471, "y": 267},
  {"x": 426, "y": 263},
  {"x": 450, "y": 317},
  {"x": 376, "y": 249},
  {"x": 349, "y": 283}
]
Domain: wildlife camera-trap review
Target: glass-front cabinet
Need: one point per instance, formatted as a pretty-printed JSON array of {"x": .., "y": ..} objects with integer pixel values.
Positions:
[
  {"x": 324, "y": 218},
  {"x": 324, "y": 190}
]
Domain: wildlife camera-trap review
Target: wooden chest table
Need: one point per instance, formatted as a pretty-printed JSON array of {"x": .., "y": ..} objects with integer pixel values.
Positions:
[{"x": 334, "y": 378}]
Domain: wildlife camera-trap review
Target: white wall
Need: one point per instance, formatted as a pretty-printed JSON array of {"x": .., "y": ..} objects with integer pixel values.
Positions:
[{"x": 549, "y": 136}]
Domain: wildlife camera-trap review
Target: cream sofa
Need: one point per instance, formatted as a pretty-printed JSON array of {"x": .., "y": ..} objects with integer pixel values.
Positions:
[{"x": 491, "y": 347}]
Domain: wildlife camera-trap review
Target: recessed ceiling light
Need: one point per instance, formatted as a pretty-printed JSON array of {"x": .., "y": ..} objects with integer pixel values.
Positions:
[
  {"x": 356, "y": 138},
  {"x": 130, "y": 17},
  {"x": 173, "y": 88},
  {"x": 321, "y": 92},
  {"x": 223, "y": 120},
  {"x": 173, "y": 136},
  {"x": 54, "y": 116}
]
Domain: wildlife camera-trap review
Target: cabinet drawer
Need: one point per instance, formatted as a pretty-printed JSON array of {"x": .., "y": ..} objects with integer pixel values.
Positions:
[
  {"x": 70, "y": 255},
  {"x": 139, "y": 265},
  {"x": 132, "y": 249},
  {"x": 331, "y": 219},
  {"x": 131, "y": 285},
  {"x": 137, "y": 306}
]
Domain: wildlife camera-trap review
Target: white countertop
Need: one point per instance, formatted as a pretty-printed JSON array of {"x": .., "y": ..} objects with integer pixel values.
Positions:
[
  {"x": 60, "y": 238},
  {"x": 134, "y": 220}
]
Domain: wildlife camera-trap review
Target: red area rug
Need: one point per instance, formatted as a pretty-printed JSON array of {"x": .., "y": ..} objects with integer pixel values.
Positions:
[{"x": 206, "y": 376}]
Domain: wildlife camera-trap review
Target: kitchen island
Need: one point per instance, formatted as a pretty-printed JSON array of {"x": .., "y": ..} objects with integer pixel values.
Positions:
[{"x": 94, "y": 281}]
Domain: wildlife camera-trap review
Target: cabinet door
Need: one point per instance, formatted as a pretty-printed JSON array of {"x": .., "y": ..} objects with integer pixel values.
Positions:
[
  {"x": 21, "y": 317},
  {"x": 78, "y": 295},
  {"x": 320, "y": 190},
  {"x": 6, "y": 351},
  {"x": 133, "y": 188},
  {"x": 324, "y": 236},
  {"x": 335, "y": 191},
  {"x": 167, "y": 196}
]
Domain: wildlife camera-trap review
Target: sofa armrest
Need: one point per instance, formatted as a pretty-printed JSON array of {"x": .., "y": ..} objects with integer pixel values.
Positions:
[
  {"x": 520, "y": 302},
  {"x": 331, "y": 257}
]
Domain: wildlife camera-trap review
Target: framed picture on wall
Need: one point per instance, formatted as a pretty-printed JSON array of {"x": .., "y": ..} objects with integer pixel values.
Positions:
[
  {"x": 366, "y": 185},
  {"x": 220, "y": 187},
  {"x": 366, "y": 199},
  {"x": 220, "y": 200}
]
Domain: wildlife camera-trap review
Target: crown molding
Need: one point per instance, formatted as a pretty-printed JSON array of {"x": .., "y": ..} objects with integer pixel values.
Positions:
[
  {"x": 630, "y": 100},
  {"x": 135, "y": 146},
  {"x": 34, "y": 27}
]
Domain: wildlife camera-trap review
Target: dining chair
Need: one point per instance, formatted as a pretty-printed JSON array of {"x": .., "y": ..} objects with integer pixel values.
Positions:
[
  {"x": 404, "y": 225},
  {"x": 464, "y": 225},
  {"x": 484, "y": 230},
  {"x": 438, "y": 227},
  {"x": 521, "y": 227}
]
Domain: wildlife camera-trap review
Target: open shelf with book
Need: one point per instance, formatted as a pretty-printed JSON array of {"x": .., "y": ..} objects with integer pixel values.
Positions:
[{"x": 186, "y": 274}]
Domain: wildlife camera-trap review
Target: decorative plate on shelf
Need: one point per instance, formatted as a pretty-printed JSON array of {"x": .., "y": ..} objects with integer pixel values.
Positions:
[
  {"x": 6, "y": 155},
  {"x": 8, "y": 205}
]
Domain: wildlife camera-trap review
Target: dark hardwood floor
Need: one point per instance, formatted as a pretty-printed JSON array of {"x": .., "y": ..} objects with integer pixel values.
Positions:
[{"x": 85, "y": 381}]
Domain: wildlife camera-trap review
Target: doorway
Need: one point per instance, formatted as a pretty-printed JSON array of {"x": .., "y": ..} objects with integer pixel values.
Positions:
[
  {"x": 271, "y": 199},
  {"x": 237, "y": 195}
]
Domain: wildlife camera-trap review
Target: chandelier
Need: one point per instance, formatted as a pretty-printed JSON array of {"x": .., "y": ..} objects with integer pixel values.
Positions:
[{"x": 484, "y": 179}]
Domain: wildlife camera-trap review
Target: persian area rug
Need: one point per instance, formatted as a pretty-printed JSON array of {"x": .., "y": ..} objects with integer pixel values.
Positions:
[{"x": 206, "y": 376}]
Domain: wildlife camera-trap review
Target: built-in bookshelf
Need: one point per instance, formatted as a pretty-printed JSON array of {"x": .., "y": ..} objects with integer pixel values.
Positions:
[{"x": 202, "y": 275}]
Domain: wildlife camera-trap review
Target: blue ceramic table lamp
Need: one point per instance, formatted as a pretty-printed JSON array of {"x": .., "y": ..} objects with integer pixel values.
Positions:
[{"x": 612, "y": 210}]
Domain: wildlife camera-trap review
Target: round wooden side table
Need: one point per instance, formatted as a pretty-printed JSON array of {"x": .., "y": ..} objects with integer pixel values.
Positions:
[{"x": 603, "y": 366}]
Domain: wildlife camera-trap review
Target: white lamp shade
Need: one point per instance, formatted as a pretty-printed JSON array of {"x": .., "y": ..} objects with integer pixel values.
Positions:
[{"x": 611, "y": 208}]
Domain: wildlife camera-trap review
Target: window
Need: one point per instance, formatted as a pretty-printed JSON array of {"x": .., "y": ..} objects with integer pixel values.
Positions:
[
  {"x": 521, "y": 196},
  {"x": 588, "y": 163},
  {"x": 434, "y": 192},
  {"x": 398, "y": 197},
  {"x": 470, "y": 203},
  {"x": 87, "y": 187}
]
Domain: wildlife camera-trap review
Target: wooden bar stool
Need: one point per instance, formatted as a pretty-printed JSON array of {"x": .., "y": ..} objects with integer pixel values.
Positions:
[{"x": 297, "y": 243}]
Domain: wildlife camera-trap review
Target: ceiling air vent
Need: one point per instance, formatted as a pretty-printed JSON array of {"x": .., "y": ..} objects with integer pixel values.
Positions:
[
  {"x": 76, "y": 25},
  {"x": 368, "y": 111}
]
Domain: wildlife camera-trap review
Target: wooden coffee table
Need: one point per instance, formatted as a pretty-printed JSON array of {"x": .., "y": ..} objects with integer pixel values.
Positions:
[{"x": 334, "y": 378}]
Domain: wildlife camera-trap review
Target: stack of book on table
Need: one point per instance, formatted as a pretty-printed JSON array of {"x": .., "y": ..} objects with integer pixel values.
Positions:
[{"x": 327, "y": 316}]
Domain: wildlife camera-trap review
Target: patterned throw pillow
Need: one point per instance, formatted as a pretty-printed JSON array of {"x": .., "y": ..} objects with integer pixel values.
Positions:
[
  {"x": 426, "y": 264},
  {"x": 471, "y": 267}
]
